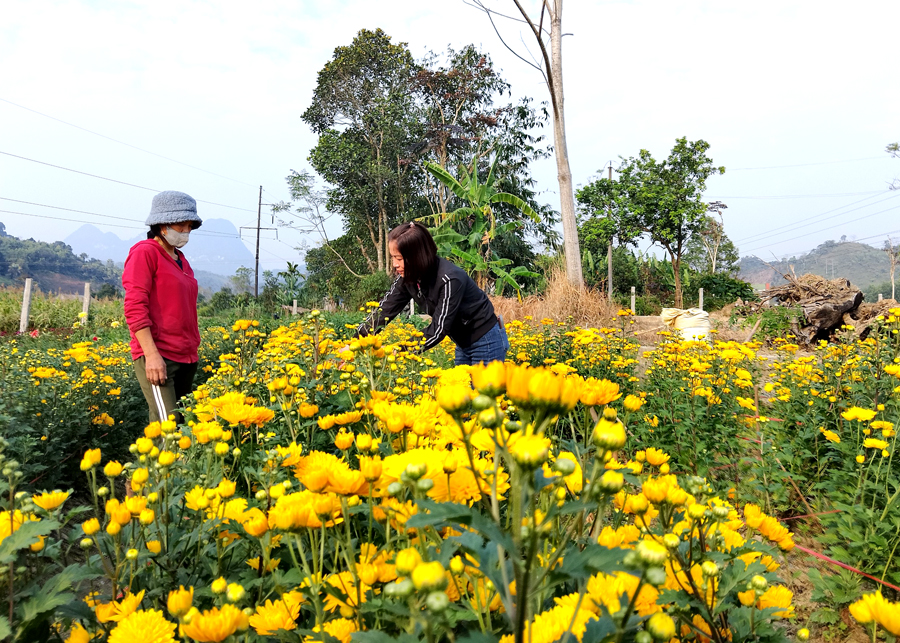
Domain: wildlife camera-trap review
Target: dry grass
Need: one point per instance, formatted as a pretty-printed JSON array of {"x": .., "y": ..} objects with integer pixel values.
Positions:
[{"x": 560, "y": 301}]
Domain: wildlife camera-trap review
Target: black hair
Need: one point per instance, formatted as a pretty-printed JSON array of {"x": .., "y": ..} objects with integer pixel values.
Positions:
[
  {"x": 419, "y": 252},
  {"x": 156, "y": 229}
]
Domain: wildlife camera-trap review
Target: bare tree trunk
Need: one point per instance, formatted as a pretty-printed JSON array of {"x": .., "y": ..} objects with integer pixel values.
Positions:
[
  {"x": 676, "y": 272},
  {"x": 566, "y": 193}
]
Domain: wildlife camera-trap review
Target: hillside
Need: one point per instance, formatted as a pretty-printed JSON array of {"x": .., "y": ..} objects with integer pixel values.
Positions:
[
  {"x": 52, "y": 266},
  {"x": 862, "y": 264},
  {"x": 215, "y": 248},
  {"x": 55, "y": 268}
]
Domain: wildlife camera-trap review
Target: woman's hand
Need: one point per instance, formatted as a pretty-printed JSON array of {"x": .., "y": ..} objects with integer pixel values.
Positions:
[{"x": 155, "y": 367}]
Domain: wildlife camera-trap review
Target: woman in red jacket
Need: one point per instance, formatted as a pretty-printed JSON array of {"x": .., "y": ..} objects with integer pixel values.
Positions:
[{"x": 161, "y": 304}]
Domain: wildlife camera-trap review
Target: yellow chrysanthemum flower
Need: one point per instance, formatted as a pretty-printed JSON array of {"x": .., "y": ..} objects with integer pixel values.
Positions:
[
  {"x": 216, "y": 624},
  {"x": 147, "y": 626},
  {"x": 50, "y": 500}
]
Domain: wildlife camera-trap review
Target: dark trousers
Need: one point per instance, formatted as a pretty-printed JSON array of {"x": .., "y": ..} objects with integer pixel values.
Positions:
[{"x": 163, "y": 399}]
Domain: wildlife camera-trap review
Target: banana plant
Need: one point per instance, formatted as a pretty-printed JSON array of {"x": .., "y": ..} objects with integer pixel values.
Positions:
[{"x": 467, "y": 232}]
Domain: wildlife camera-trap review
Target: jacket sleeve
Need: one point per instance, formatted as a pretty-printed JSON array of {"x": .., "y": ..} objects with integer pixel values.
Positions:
[
  {"x": 389, "y": 307},
  {"x": 445, "y": 313},
  {"x": 137, "y": 280}
]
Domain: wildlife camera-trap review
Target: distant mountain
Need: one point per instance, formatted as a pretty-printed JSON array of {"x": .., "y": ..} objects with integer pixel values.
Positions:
[
  {"x": 862, "y": 264},
  {"x": 216, "y": 247}
]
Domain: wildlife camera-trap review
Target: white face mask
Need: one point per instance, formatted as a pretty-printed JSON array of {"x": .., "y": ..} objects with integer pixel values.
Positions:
[{"x": 175, "y": 238}]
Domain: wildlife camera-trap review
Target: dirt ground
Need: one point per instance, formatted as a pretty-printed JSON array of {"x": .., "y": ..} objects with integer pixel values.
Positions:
[{"x": 795, "y": 573}]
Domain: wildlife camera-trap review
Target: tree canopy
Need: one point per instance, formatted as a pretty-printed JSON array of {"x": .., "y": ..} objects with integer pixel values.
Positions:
[{"x": 663, "y": 199}]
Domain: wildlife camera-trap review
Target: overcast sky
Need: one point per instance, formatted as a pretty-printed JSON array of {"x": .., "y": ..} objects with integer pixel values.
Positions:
[{"x": 805, "y": 90}]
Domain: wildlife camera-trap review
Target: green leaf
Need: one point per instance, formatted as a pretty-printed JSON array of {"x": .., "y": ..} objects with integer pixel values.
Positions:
[
  {"x": 43, "y": 603},
  {"x": 5, "y": 631},
  {"x": 589, "y": 561},
  {"x": 597, "y": 630},
  {"x": 55, "y": 592},
  {"x": 447, "y": 179},
  {"x": 517, "y": 203},
  {"x": 24, "y": 537},
  {"x": 477, "y": 637},
  {"x": 377, "y": 636}
]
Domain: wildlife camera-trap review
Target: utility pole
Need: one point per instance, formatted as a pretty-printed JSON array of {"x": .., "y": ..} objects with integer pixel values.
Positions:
[
  {"x": 609, "y": 276},
  {"x": 256, "y": 267},
  {"x": 258, "y": 223}
]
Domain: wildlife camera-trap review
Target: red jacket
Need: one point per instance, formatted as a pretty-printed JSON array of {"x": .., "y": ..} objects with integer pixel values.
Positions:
[{"x": 163, "y": 297}]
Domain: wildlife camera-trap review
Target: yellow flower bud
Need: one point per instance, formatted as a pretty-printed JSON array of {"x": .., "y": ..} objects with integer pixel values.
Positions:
[
  {"x": 429, "y": 576},
  {"x": 651, "y": 552},
  {"x": 90, "y": 527},
  {"x": 407, "y": 560},
  {"x": 112, "y": 469},
  {"x": 661, "y": 626},
  {"x": 180, "y": 601},
  {"x": 234, "y": 593}
]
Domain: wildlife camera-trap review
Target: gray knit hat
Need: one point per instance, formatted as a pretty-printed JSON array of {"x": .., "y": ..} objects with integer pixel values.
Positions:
[{"x": 173, "y": 207}]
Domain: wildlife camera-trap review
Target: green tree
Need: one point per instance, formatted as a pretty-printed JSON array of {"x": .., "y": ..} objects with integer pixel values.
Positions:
[
  {"x": 465, "y": 123},
  {"x": 363, "y": 113},
  {"x": 663, "y": 199},
  {"x": 601, "y": 222},
  {"x": 477, "y": 215},
  {"x": 710, "y": 251},
  {"x": 242, "y": 280},
  {"x": 308, "y": 209}
]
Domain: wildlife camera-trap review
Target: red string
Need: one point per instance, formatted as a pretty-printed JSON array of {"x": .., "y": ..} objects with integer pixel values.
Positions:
[
  {"x": 847, "y": 567},
  {"x": 833, "y": 511}
]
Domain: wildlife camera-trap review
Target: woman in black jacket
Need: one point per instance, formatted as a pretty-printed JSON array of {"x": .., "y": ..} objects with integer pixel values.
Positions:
[{"x": 458, "y": 307}]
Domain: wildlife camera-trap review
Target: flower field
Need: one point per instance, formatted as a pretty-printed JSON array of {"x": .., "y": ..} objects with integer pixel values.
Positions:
[{"x": 574, "y": 493}]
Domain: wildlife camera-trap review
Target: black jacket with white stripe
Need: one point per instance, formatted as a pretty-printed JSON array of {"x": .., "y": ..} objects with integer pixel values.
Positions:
[{"x": 458, "y": 307}]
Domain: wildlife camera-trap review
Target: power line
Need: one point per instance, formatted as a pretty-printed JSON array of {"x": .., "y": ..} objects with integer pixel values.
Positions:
[
  {"x": 56, "y": 207},
  {"x": 824, "y": 229},
  {"x": 109, "y": 138},
  {"x": 113, "y": 225},
  {"x": 105, "y": 216},
  {"x": 797, "y": 196},
  {"x": 790, "y": 227},
  {"x": 44, "y": 216},
  {"x": 838, "y": 253},
  {"x": 97, "y": 176},
  {"x": 778, "y": 167}
]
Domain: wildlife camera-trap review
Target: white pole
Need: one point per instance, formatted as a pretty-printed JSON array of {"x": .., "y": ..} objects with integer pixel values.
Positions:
[
  {"x": 632, "y": 300},
  {"x": 294, "y": 311},
  {"x": 701, "y": 299},
  {"x": 412, "y": 307},
  {"x": 86, "y": 305},
  {"x": 26, "y": 307},
  {"x": 880, "y": 297}
]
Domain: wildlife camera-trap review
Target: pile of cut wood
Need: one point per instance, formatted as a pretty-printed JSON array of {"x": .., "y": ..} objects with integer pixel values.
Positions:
[{"x": 827, "y": 304}]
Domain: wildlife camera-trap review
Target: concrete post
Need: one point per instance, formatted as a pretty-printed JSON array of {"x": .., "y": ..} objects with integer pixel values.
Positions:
[
  {"x": 632, "y": 300},
  {"x": 701, "y": 299},
  {"x": 26, "y": 307},
  {"x": 86, "y": 305}
]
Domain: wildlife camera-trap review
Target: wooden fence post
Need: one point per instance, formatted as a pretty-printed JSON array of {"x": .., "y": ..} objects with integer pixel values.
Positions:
[
  {"x": 701, "y": 299},
  {"x": 86, "y": 305},
  {"x": 26, "y": 307},
  {"x": 632, "y": 300}
]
